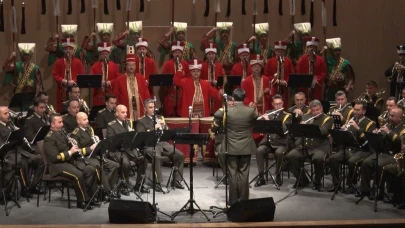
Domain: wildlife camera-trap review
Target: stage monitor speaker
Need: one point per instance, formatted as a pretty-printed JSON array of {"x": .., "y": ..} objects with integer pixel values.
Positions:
[
  {"x": 129, "y": 211},
  {"x": 253, "y": 210}
]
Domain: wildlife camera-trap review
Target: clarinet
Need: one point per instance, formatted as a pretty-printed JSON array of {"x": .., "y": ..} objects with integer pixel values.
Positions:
[
  {"x": 74, "y": 143},
  {"x": 96, "y": 140},
  {"x": 14, "y": 128}
]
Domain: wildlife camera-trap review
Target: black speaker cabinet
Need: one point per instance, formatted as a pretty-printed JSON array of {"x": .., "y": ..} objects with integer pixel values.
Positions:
[
  {"x": 128, "y": 211},
  {"x": 253, "y": 210}
]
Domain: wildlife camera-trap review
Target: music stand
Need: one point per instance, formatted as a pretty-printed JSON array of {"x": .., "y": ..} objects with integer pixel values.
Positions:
[
  {"x": 337, "y": 122},
  {"x": 303, "y": 131},
  {"x": 268, "y": 127},
  {"x": 377, "y": 143},
  {"x": 300, "y": 80},
  {"x": 21, "y": 101},
  {"x": 162, "y": 80},
  {"x": 170, "y": 135},
  {"x": 89, "y": 81},
  {"x": 346, "y": 139},
  {"x": 40, "y": 135},
  {"x": 4, "y": 149},
  {"x": 231, "y": 81},
  {"x": 99, "y": 150},
  {"x": 191, "y": 139}
]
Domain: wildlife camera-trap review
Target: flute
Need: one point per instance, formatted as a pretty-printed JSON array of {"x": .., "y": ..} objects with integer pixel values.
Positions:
[
  {"x": 306, "y": 121},
  {"x": 270, "y": 113}
]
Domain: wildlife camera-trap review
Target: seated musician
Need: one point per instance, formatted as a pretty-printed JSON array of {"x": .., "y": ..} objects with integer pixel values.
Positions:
[
  {"x": 273, "y": 143},
  {"x": 217, "y": 131},
  {"x": 390, "y": 104},
  {"x": 358, "y": 124},
  {"x": 342, "y": 108},
  {"x": 37, "y": 120},
  {"x": 107, "y": 114},
  {"x": 121, "y": 125},
  {"x": 43, "y": 96},
  {"x": 316, "y": 148},
  {"x": 145, "y": 123},
  {"x": 69, "y": 119},
  {"x": 84, "y": 136},
  {"x": 196, "y": 92},
  {"x": 300, "y": 108},
  {"x": 392, "y": 133},
  {"x": 61, "y": 154},
  {"x": 74, "y": 94},
  {"x": 401, "y": 103},
  {"x": 24, "y": 158},
  {"x": 394, "y": 172},
  {"x": 371, "y": 97}
]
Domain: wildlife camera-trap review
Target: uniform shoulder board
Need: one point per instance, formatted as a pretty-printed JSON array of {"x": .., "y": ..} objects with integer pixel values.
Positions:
[
  {"x": 141, "y": 117},
  {"x": 49, "y": 134},
  {"x": 65, "y": 102},
  {"x": 31, "y": 107},
  {"x": 75, "y": 131},
  {"x": 30, "y": 117},
  {"x": 101, "y": 110},
  {"x": 64, "y": 115},
  {"x": 112, "y": 122}
]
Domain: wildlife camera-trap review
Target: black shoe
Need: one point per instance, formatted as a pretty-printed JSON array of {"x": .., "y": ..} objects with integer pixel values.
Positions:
[
  {"x": 261, "y": 181},
  {"x": 37, "y": 190},
  {"x": 350, "y": 190},
  {"x": 278, "y": 180},
  {"x": 361, "y": 194},
  {"x": 379, "y": 198},
  {"x": 142, "y": 189},
  {"x": 333, "y": 188},
  {"x": 177, "y": 184},
  {"x": 82, "y": 205},
  {"x": 401, "y": 206},
  {"x": 95, "y": 203},
  {"x": 316, "y": 187},
  {"x": 26, "y": 194},
  {"x": 300, "y": 185},
  {"x": 114, "y": 194},
  {"x": 124, "y": 191}
]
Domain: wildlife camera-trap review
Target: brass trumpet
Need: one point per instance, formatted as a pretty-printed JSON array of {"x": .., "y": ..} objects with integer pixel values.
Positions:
[{"x": 84, "y": 105}]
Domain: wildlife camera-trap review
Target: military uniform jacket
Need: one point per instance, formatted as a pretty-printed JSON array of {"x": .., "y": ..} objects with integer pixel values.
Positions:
[
  {"x": 366, "y": 125},
  {"x": 56, "y": 146},
  {"x": 347, "y": 113},
  {"x": 274, "y": 139},
  {"x": 114, "y": 128},
  {"x": 378, "y": 103},
  {"x": 217, "y": 127},
  {"x": 145, "y": 123},
  {"x": 305, "y": 110},
  {"x": 239, "y": 123},
  {"x": 325, "y": 123},
  {"x": 4, "y": 133},
  {"x": 83, "y": 139},
  {"x": 393, "y": 138},
  {"x": 104, "y": 116},
  {"x": 32, "y": 125},
  {"x": 69, "y": 122}
]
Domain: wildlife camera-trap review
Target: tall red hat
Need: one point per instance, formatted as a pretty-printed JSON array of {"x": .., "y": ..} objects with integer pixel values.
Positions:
[
  {"x": 280, "y": 45},
  {"x": 256, "y": 59},
  {"x": 195, "y": 64},
  {"x": 211, "y": 47},
  {"x": 142, "y": 42},
  {"x": 178, "y": 45},
  {"x": 68, "y": 42},
  {"x": 243, "y": 48},
  {"x": 312, "y": 41},
  {"x": 130, "y": 58}
]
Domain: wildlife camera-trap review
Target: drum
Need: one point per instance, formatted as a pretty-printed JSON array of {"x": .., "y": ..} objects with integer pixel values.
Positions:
[
  {"x": 208, "y": 151},
  {"x": 173, "y": 123}
]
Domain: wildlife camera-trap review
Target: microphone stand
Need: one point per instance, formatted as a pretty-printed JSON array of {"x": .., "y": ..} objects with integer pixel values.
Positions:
[{"x": 214, "y": 209}]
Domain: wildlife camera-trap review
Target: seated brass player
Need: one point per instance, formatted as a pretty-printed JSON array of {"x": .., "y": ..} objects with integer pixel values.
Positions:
[
  {"x": 300, "y": 108},
  {"x": 62, "y": 162},
  {"x": 145, "y": 123},
  {"x": 84, "y": 136},
  {"x": 121, "y": 125},
  {"x": 357, "y": 125},
  {"x": 69, "y": 119},
  {"x": 342, "y": 108},
  {"x": 273, "y": 143},
  {"x": 107, "y": 114},
  {"x": 316, "y": 148},
  {"x": 390, "y": 104},
  {"x": 74, "y": 94}
]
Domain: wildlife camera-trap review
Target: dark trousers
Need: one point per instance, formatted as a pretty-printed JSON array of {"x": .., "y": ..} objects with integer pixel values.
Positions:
[
  {"x": 109, "y": 175},
  {"x": 296, "y": 159},
  {"x": 140, "y": 162},
  {"x": 84, "y": 179},
  {"x": 352, "y": 158},
  {"x": 9, "y": 169},
  {"x": 36, "y": 163},
  {"x": 262, "y": 153},
  {"x": 238, "y": 167},
  {"x": 368, "y": 169},
  {"x": 175, "y": 156}
]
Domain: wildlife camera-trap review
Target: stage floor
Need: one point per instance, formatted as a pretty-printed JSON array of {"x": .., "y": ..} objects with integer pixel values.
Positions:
[{"x": 307, "y": 205}]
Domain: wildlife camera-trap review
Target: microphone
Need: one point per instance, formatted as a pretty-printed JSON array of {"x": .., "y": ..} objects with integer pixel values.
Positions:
[
  {"x": 154, "y": 99},
  {"x": 105, "y": 61},
  {"x": 225, "y": 96},
  {"x": 314, "y": 53}
]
